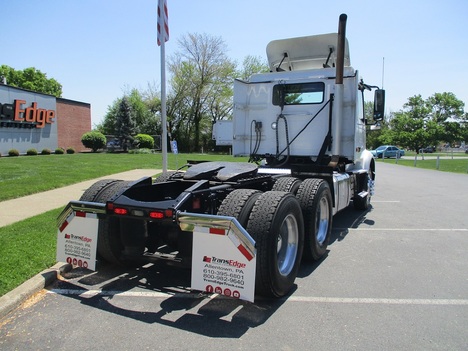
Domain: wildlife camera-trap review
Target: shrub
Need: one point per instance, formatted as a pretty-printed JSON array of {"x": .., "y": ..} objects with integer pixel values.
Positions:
[
  {"x": 144, "y": 141},
  {"x": 140, "y": 151},
  {"x": 31, "y": 152},
  {"x": 13, "y": 152},
  {"x": 46, "y": 152},
  {"x": 59, "y": 151},
  {"x": 93, "y": 140},
  {"x": 70, "y": 150}
]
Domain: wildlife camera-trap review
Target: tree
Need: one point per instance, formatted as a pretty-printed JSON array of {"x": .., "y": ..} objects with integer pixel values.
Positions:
[
  {"x": 421, "y": 123},
  {"x": 145, "y": 108},
  {"x": 201, "y": 89},
  {"x": 152, "y": 99},
  {"x": 31, "y": 79},
  {"x": 408, "y": 131},
  {"x": 448, "y": 112},
  {"x": 107, "y": 126},
  {"x": 124, "y": 124},
  {"x": 252, "y": 65}
]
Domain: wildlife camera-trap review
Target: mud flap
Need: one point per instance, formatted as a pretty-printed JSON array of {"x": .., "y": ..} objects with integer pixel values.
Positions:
[
  {"x": 223, "y": 257},
  {"x": 77, "y": 234}
]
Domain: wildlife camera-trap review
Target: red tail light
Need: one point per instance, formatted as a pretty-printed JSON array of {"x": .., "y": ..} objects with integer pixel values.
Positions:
[
  {"x": 156, "y": 214},
  {"x": 120, "y": 211}
]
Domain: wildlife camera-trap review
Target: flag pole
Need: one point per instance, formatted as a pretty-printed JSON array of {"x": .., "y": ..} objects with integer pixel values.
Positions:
[
  {"x": 163, "y": 108},
  {"x": 163, "y": 36}
]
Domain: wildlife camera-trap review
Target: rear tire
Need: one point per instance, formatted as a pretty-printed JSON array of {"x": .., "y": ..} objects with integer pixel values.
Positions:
[
  {"x": 316, "y": 203},
  {"x": 167, "y": 176},
  {"x": 93, "y": 191},
  {"x": 239, "y": 204},
  {"x": 276, "y": 225},
  {"x": 288, "y": 184},
  {"x": 110, "y": 245}
]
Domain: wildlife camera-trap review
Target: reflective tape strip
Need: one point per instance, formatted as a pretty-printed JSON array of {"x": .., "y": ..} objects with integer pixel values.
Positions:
[
  {"x": 205, "y": 230},
  {"x": 67, "y": 221},
  {"x": 231, "y": 235},
  {"x": 217, "y": 231},
  {"x": 63, "y": 226},
  {"x": 245, "y": 252},
  {"x": 77, "y": 214}
]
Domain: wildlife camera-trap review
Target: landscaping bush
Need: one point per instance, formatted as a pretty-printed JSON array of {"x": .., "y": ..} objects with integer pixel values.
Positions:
[
  {"x": 46, "y": 152},
  {"x": 70, "y": 150},
  {"x": 31, "y": 152},
  {"x": 13, "y": 153},
  {"x": 144, "y": 141},
  {"x": 93, "y": 140},
  {"x": 59, "y": 151},
  {"x": 140, "y": 151}
]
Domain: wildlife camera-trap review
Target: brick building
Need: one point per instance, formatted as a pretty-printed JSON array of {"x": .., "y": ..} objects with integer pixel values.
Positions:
[
  {"x": 74, "y": 120},
  {"x": 33, "y": 120}
]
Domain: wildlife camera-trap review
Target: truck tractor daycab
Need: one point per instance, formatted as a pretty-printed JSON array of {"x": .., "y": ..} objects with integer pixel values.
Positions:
[{"x": 304, "y": 129}]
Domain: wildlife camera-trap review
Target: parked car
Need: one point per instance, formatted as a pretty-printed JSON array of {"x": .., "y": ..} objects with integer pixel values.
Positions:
[
  {"x": 427, "y": 150},
  {"x": 114, "y": 145},
  {"x": 388, "y": 151}
]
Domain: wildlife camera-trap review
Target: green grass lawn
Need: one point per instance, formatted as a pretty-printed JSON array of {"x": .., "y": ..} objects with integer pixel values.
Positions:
[
  {"x": 455, "y": 165},
  {"x": 26, "y": 248},
  {"x": 25, "y": 175}
]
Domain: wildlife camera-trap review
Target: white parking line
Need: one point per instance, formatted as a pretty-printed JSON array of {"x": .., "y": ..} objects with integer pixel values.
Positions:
[
  {"x": 309, "y": 299},
  {"x": 406, "y": 229},
  {"x": 358, "y": 300},
  {"x": 383, "y": 201}
]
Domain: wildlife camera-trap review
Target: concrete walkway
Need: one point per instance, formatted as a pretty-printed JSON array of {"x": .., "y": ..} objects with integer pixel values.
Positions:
[{"x": 16, "y": 210}]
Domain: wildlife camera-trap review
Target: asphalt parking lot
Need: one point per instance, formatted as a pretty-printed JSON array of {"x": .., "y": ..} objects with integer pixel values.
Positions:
[{"x": 395, "y": 277}]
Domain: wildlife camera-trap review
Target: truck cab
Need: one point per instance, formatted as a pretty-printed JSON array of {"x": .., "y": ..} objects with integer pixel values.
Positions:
[{"x": 291, "y": 114}]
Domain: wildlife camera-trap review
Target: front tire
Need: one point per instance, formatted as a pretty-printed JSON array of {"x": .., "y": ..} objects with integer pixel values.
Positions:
[
  {"x": 363, "y": 203},
  {"x": 276, "y": 225}
]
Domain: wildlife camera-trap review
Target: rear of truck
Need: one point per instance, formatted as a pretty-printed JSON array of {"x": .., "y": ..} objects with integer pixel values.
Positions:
[{"x": 303, "y": 127}]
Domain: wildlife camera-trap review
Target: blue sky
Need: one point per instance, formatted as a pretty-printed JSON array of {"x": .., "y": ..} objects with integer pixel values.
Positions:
[{"x": 98, "y": 49}]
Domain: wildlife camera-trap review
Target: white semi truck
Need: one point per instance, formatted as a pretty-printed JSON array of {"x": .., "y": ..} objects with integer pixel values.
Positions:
[{"x": 304, "y": 129}]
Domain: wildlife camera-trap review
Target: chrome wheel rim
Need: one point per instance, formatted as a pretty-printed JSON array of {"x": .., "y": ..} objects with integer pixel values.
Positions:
[
  {"x": 322, "y": 219},
  {"x": 287, "y": 244}
]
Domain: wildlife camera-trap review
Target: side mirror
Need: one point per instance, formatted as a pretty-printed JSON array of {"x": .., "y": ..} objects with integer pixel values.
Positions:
[
  {"x": 375, "y": 126},
  {"x": 379, "y": 104}
]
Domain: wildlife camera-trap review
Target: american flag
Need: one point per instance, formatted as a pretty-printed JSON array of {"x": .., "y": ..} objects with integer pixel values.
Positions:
[{"x": 163, "y": 24}]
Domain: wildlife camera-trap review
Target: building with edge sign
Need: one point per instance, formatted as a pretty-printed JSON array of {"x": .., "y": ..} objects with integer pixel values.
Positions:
[{"x": 30, "y": 119}]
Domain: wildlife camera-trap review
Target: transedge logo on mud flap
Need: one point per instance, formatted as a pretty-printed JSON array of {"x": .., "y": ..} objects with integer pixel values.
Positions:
[
  {"x": 223, "y": 261},
  {"x": 76, "y": 237}
]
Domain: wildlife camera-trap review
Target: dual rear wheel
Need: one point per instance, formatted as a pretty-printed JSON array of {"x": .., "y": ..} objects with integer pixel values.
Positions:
[
  {"x": 111, "y": 244},
  {"x": 274, "y": 221},
  {"x": 288, "y": 223}
]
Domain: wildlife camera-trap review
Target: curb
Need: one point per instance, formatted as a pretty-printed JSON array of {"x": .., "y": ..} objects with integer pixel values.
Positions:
[{"x": 17, "y": 296}]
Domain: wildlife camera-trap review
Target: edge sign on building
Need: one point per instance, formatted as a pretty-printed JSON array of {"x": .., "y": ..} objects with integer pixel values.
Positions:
[
  {"x": 18, "y": 116},
  {"x": 33, "y": 120}
]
